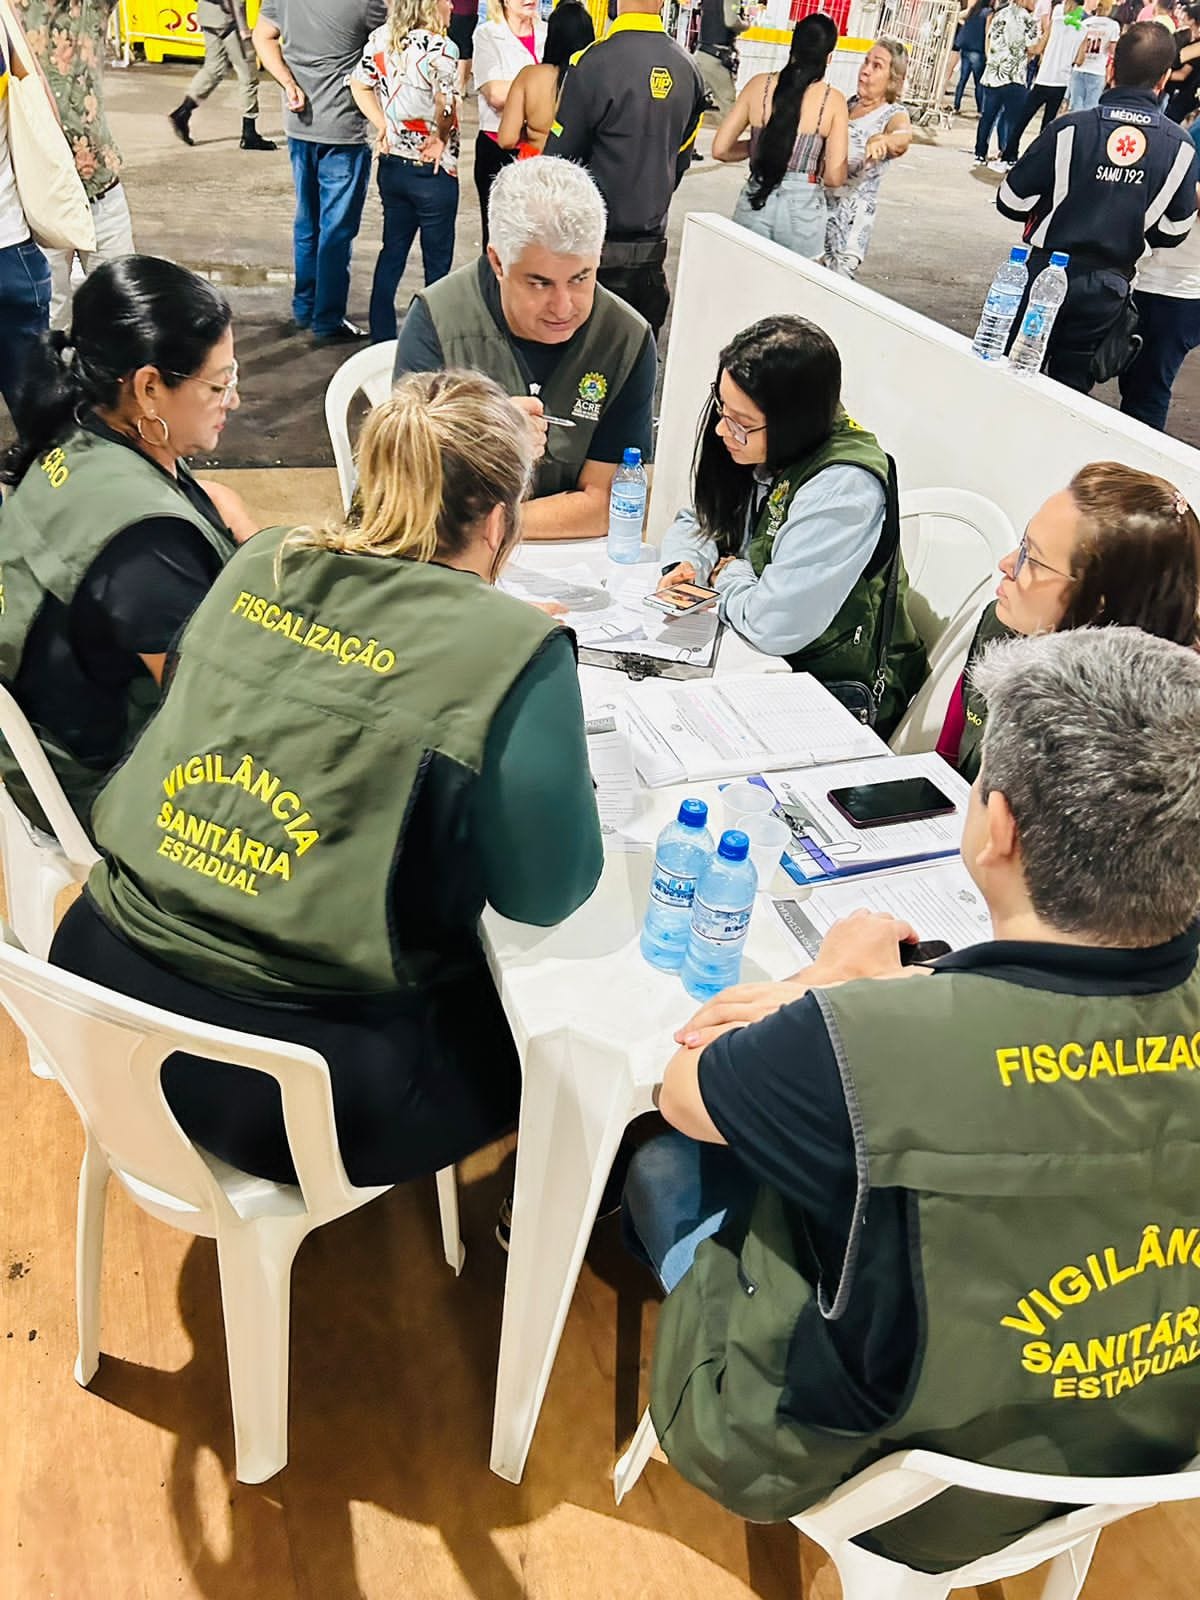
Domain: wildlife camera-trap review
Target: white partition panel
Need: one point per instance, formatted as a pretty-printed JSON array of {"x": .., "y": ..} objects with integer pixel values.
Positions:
[{"x": 949, "y": 419}]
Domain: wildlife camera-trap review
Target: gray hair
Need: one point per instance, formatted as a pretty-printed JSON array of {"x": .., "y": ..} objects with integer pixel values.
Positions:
[
  {"x": 1093, "y": 738},
  {"x": 548, "y": 202}
]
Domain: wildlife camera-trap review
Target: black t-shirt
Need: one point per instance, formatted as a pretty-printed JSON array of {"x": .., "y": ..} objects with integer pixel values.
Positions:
[
  {"x": 1181, "y": 97},
  {"x": 774, "y": 1093},
  {"x": 79, "y": 660},
  {"x": 628, "y": 416}
]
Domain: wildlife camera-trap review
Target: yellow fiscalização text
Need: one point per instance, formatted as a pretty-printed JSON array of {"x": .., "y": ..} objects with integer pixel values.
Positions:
[
  {"x": 1116, "y": 1058},
  {"x": 349, "y": 649}
]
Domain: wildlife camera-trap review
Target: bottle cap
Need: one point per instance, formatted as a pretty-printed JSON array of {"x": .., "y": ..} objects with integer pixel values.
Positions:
[
  {"x": 1059, "y": 258},
  {"x": 734, "y": 845},
  {"x": 693, "y": 813},
  {"x": 1019, "y": 252},
  {"x": 632, "y": 456}
]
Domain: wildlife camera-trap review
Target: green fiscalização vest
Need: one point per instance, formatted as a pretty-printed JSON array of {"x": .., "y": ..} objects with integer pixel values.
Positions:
[
  {"x": 846, "y": 651},
  {"x": 1049, "y": 1145},
  {"x": 600, "y": 359},
  {"x": 970, "y": 746},
  {"x": 256, "y": 838},
  {"x": 68, "y": 507}
]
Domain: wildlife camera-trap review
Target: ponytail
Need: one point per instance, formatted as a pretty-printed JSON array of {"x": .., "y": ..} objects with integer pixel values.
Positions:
[
  {"x": 434, "y": 459},
  {"x": 135, "y": 311},
  {"x": 813, "y": 38}
]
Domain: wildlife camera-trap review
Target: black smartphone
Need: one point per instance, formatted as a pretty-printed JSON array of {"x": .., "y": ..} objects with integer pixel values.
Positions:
[
  {"x": 871, "y": 805},
  {"x": 911, "y": 955}
]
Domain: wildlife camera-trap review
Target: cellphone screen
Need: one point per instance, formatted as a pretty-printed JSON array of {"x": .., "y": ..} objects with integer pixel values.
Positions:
[
  {"x": 684, "y": 597},
  {"x": 868, "y": 805}
]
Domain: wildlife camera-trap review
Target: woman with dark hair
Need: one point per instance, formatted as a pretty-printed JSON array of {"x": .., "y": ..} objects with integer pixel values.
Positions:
[
  {"x": 793, "y": 128},
  {"x": 794, "y": 521},
  {"x": 109, "y": 541},
  {"x": 534, "y": 94},
  {"x": 1115, "y": 548}
]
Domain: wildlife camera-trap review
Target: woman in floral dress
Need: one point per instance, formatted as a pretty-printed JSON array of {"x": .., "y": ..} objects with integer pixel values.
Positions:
[{"x": 879, "y": 131}]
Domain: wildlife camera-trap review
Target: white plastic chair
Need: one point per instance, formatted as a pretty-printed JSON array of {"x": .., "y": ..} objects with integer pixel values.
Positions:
[
  {"x": 37, "y": 866},
  {"x": 952, "y": 541},
  {"x": 902, "y": 1482},
  {"x": 108, "y": 1050},
  {"x": 922, "y": 722},
  {"x": 371, "y": 371}
]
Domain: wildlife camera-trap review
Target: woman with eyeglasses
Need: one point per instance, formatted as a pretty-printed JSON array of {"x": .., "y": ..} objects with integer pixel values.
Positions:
[
  {"x": 108, "y": 542},
  {"x": 1116, "y": 547},
  {"x": 789, "y": 522}
]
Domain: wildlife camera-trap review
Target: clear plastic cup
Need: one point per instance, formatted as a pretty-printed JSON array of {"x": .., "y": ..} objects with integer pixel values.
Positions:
[
  {"x": 745, "y": 799},
  {"x": 769, "y": 837}
]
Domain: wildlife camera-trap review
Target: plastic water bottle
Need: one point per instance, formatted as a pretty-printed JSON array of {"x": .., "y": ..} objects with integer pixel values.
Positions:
[
  {"x": 720, "y": 918},
  {"x": 627, "y": 509},
  {"x": 1001, "y": 306},
  {"x": 679, "y": 856},
  {"x": 1047, "y": 295}
]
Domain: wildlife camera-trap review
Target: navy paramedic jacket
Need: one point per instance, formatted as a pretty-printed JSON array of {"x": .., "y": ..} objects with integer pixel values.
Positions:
[{"x": 1105, "y": 185}]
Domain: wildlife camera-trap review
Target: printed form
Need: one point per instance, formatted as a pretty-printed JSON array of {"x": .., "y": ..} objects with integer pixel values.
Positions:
[{"x": 939, "y": 900}]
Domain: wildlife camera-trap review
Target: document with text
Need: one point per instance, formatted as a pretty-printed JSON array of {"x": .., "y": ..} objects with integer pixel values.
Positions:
[{"x": 939, "y": 900}]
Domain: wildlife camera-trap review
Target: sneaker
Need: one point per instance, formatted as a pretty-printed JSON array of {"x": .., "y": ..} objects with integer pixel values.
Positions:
[
  {"x": 504, "y": 1223},
  {"x": 1002, "y": 167},
  {"x": 346, "y": 332}
]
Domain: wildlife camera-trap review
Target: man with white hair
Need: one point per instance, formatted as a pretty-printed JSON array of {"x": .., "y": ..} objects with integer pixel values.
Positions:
[
  {"x": 531, "y": 315},
  {"x": 954, "y": 1206}
]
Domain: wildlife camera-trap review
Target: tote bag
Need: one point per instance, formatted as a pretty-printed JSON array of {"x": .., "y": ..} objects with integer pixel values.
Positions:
[{"x": 52, "y": 194}]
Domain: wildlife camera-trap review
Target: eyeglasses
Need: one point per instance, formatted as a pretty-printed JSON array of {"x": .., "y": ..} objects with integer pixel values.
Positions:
[
  {"x": 737, "y": 431},
  {"x": 1023, "y": 558},
  {"x": 226, "y": 390}
]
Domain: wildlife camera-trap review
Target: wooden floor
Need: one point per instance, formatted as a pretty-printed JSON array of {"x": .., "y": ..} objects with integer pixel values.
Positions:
[{"x": 126, "y": 1491}]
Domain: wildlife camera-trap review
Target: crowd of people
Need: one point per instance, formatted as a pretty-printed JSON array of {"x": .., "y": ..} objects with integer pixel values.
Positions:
[{"x": 813, "y": 1236}]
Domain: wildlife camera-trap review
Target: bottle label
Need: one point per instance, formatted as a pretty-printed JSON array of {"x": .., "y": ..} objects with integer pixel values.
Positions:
[
  {"x": 672, "y": 889},
  {"x": 1001, "y": 303},
  {"x": 719, "y": 927},
  {"x": 1034, "y": 323},
  {"x": 627, "y": 505}
]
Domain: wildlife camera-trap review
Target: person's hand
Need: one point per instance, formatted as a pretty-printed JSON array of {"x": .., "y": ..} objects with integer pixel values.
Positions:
[
  {"x": 877, "y": 148},
  {"x": 866, "y": 944},
  {"x": 294, "y": 96},
  {"x": 685, "y": 572},
  {"x": 538, "y": 426},
  {"x": 734, "y": 1008},
  {"x": 718, "y": 569},
  {"x": 432, "y": 152}
]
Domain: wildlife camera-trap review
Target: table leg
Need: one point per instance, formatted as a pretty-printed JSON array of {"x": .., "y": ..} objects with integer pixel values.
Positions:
[{"x": 577, "y": 1099}]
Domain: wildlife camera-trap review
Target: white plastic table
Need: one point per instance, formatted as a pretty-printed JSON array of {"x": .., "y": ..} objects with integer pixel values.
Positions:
[{"x": 592, "y": 1023}]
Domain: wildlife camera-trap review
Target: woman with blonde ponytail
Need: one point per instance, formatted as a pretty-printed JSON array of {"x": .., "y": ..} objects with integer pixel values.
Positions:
[{"x": 363, "y": 743}]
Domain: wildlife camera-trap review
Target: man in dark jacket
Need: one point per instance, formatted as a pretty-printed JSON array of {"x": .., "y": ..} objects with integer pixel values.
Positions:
[
  {"x": 630, "y": 111},
  {"x": 1130, "y": 185}
]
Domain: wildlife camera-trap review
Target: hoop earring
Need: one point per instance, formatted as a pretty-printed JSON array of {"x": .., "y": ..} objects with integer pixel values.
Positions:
[{"x": 154, "y": 443}]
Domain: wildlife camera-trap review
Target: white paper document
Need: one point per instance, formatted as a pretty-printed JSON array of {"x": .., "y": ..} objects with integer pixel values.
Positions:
[
  {"x": 939, "y": 900},
  {"x": 727, "y": 727},
  {"x": 611, "y": 618},
  {"x": 825, "y": 845}
]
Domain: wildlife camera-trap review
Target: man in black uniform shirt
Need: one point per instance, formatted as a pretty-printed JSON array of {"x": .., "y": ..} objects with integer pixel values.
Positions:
[
  {"x": 630, "y": 110},
  {"x": 716, "y": 57},
  {"x": 1130, "y": 186}
]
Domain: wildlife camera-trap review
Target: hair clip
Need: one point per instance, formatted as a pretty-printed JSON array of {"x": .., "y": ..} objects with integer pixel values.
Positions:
[{"x": 1181, "y": 506}]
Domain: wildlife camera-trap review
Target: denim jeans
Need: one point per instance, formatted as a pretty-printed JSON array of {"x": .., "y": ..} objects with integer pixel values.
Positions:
[
  {"x": 331, "y": 187},
  {"x": 1002, "y": 105},
  {"x": 1170, "y": 328},
  {"x": 414, "y": 197},
  {"x": 24, "y": 311},
  {"x": 1086, "y": 89},
  {"x": 970, "y": 66},
  {"x": 679, "y": 1193}
]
